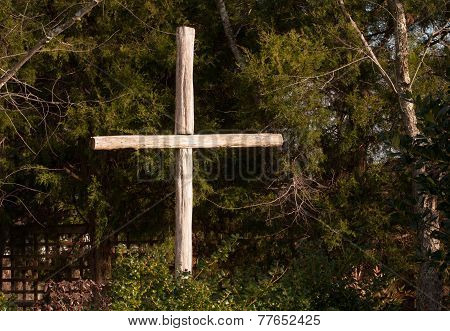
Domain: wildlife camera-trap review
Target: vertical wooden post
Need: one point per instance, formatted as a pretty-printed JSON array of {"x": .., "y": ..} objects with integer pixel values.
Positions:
[{"x": 184, "y": 124}]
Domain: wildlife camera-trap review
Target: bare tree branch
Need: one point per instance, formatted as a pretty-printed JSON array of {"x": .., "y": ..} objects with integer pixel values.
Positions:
[
  {"x": 229, "y": 33},
  {"x": 442, "y": 31},
  {"x": 303, "y": 79},
  {"x": 48, "y": 38},
  {"x": 367, "y": 47}
]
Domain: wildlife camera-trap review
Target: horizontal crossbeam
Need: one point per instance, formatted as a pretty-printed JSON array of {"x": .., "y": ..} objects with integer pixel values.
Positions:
[{"x": 186, "y": 141}]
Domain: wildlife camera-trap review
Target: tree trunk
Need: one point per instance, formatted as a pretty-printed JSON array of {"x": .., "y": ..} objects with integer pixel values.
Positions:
[
  {"x": 100, "y": 257},
  {"x": 429, "y": 286},
  {"x": 229, "y": 33},
  {"x": 102, "y": 262},
  {"x": 403, "y": 82}
]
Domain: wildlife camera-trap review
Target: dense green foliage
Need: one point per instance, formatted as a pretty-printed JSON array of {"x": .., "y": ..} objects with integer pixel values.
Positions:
[
  {"x": 333, "y": 228},
  {"x": 144, "y": 281},
  {"x": 6, "y": 303}
]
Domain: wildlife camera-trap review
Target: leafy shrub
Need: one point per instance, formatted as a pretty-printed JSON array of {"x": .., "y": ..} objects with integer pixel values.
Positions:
[
  {"x": 429, "y": 153},
  {"x": 144, "y": 280},
  {"x": 430, "y": 150},
  {"x": 6, "y": 303}
]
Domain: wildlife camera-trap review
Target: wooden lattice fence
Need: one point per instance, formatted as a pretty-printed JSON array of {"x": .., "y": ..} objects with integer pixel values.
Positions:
[{"x": 32, "y": 255}]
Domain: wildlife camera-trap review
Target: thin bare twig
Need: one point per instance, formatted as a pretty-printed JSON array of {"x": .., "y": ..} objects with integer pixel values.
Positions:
[
  {"x": 427, "y": 47},
  {"x": 367, "y": 47},
  {"x": 48, "y": 38},
  {"x": 305, "y": 78}
]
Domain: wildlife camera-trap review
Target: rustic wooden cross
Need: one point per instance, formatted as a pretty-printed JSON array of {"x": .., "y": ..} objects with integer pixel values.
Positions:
[{"x": 184, "y": 141}]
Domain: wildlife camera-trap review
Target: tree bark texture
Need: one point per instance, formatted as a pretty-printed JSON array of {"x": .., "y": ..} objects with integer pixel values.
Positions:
[
  {"x": 229, "y": 32},
  {"x": 429, "y": 285}
]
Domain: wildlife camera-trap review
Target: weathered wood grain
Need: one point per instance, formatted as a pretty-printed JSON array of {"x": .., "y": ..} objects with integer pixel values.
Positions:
[
  {"x": 183, "y": 210},
  {"x": 184, "y": 100},
  {"x": 184, "y": 125},
  {"x": 187, "y": 141}
]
